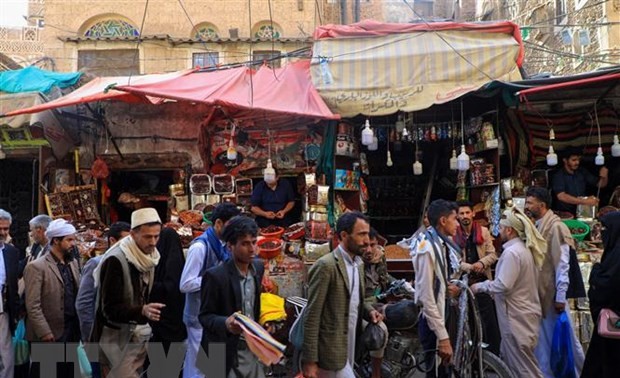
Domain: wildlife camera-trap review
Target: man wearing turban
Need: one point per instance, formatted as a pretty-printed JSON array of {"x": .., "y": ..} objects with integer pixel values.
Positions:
[
  {"x": 514, "y": 290},
  {"x": 51, "y": 283},
  {"x": 556, "y": 283}
]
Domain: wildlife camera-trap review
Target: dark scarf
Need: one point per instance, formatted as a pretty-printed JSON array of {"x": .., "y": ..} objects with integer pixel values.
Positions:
[
  {"x": 476, "y": 233},
  {"x": 210, "y": 239}
]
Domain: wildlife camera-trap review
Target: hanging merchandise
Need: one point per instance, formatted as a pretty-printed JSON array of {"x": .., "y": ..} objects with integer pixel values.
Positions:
[
  {"x": 615, "y": 148},
  {"x": 367, "y": 134},
  {"x": 400, "y": 124},
  {"x": 374, "y": 146},
  {"x": 389, "y": 162},
  {"x": 453, "y": 160}
]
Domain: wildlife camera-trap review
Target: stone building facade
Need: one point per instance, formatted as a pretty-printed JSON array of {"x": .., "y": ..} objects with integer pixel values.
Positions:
[
  {"x": 562, "y": 36},
  {"x": 22, "y": 46}
]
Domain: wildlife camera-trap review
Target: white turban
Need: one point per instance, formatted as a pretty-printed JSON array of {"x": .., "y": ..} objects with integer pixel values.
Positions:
[
  {"x": 527, "y": 231},
  {"x": 59, "y": 228}
]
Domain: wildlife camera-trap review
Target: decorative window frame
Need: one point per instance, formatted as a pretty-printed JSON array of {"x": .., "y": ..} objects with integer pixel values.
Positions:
[
  {"x": 126, "y": 29},
  {"x": 206, "y": 31},
  {"x": 266, "y": 31}
]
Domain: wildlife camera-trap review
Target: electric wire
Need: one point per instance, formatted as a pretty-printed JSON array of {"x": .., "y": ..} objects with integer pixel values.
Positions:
[
  {"x": 446, "y": 42},
  {"x": 194, "y": 30},
  {"x": 273, "y": 68},
  {"x": 135, "y": 56}
]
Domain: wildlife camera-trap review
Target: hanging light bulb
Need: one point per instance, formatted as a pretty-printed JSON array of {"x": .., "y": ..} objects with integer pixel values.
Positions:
[
  {"x": 405, "y": 133},
  {"x": 552, "y": 157},
  {"x": 417, "y": 168},
  {"x": 453, "y": 160},
  {"x": 615, "y": 148},
  {"x": 551, "y": 134},
  {"x": 231, "y": 152},
  {"x": 462, "y": 161},
  {"x": 374, "y": 146},
  {"x": 367, "y": 134},
  {"x": 600, "y": 158}
]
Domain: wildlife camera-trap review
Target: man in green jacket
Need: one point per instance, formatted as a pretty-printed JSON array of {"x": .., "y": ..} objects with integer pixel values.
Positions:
[{"x": 335, "y": 301}]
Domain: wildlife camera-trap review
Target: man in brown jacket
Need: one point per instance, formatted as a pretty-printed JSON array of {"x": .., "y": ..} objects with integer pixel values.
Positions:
[
  {"x": 336, "y": 301},
  {"x": 51, "y": 283},
  {"x": 478, "y": 255},
  {"x": 51, "y": 287}
]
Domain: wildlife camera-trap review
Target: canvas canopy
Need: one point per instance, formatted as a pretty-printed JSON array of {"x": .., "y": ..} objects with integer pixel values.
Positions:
[
  {"x": 98, "y": 89},
  {"x": 269, "y": 95},
  {"x": 373, "y": 68}
]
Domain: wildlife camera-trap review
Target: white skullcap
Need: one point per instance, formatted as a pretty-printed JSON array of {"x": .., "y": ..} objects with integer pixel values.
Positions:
[
  {"x": 59, "y": 228},
  {"x": 144, "y": 216}
]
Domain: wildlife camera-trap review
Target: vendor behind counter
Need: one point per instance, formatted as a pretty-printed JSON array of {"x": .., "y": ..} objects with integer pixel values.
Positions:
[
  {"x": 272, "y": 201},
  {"x": 569, "y": 183}
]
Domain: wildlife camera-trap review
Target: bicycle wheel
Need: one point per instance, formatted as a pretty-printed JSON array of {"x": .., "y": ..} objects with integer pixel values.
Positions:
[{"x": 494, "y": 367}]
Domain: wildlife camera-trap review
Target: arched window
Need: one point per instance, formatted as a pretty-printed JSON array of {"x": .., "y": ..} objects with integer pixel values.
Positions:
[
  {"x": 206, "y": 31},
  {"x": 266, "y": 31},
  {"x": 111, "y": 28}
]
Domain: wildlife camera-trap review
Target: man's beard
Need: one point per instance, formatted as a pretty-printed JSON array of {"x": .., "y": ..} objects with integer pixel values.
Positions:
[
  {"x": 68, "y": 254},
  {"x": 466, "y": 222}
]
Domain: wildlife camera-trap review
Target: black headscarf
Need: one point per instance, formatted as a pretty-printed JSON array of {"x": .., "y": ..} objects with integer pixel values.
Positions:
[
  {"x": 166, "y": 287},
  {"x": 605, "y": 277}
]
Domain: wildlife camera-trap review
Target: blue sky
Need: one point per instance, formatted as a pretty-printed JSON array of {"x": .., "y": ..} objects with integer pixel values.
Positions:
[{"x": 12, "y": 12}]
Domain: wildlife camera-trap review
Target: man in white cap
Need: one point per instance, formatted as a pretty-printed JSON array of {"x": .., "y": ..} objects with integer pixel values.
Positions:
[
  {"x": 514, "y": 290},
  {"x": 124, "y": 279},
  {"x": 51, "y": 287}
]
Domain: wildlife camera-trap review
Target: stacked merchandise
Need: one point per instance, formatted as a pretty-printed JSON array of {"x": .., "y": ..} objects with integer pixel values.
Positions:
[{"x": 481, "y": 172}]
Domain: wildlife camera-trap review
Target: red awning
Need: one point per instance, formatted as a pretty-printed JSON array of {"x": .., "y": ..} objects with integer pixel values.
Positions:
[
  {"x": 370, "y": 28},
  {"x": 98, "y": 89},
  {"x": 568, "y": 84},
  {"x": 267, "y": 93}
]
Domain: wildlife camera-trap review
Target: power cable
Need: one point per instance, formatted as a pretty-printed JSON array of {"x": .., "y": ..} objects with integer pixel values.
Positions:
[
  {"x": 194, "y": 30},
  {"x": 273, "y": 68},
  {"x": 446, "y": 42},
  {"x": 565, "y": 54},
  {"x": 569, "y": 13},
  {"x": 250, "y": 42},
  {"x": 135, "y": 56},
  {"x": 317, "y": 11}
]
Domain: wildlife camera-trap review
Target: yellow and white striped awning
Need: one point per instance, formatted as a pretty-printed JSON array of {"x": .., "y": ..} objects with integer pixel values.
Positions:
[{"x": 378, "y": 75}]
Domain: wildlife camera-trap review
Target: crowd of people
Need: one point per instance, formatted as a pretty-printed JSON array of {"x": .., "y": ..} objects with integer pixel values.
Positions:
[{"x": 143, "y": 290}]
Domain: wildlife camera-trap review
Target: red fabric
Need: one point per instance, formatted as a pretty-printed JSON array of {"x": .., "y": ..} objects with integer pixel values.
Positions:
[
  {"x": 476, "y": 230},
  {"x": 95, "y": 90},
  {"x": 266, "y": 92},
  {"x": 569, "y": 84},
  {"x": 370, "y": 28}
]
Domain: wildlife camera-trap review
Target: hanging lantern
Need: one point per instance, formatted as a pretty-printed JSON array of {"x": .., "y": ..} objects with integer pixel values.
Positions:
[
  {"x": 367, "y": 134},
  {"x": 269, "y": 173},
  {"x": 374, "y": 145},
  {"x": 405, "y": 133},
  {"x": 389, "y": 162},
  {"x": 231, "y": 152},
  {"x": 462, "y": 161},
  {"x": 600, "y": 158},
  {"x": 615, "y": 148},
  {"x": 417, "y": 168},
  {"x": 453, "y": 160},
  {"x": 552, "y": 157}
]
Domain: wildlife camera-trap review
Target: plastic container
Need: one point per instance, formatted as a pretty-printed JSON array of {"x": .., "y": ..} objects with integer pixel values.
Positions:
[
  {"x": 275, "y": 234},
  {"x": 268, "y": 248},
  {"x": 574, "y": 224}
]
